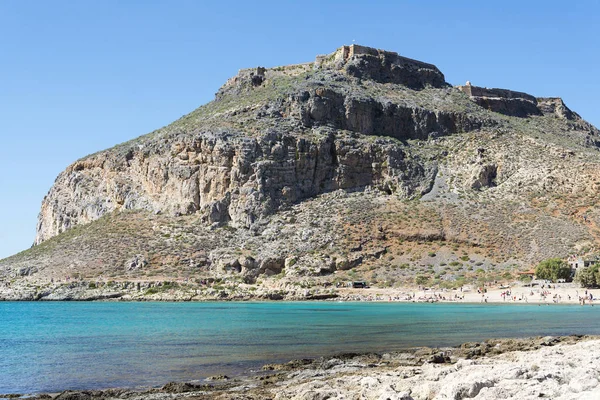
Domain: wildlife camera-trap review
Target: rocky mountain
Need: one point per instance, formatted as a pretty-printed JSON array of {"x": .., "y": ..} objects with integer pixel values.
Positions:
[{"x": 363, "y": 164}]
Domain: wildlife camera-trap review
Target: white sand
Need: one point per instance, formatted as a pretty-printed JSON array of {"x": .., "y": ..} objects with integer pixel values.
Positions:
[{"x": 555, "y": 294}]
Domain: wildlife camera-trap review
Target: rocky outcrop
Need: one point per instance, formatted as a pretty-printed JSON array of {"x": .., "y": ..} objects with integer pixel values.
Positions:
[
  {"x": 556, "y": 107},
  {"x": 557, "y": 372},
  {"x": 230, "y": 176},
  {"x": 384, "y": 66},
  {"x": 354, "y": 61},
  {"x": 483, "y": 176},
  {"x": 229, "y": 179},
  {"x": 372, "y": 117},
  {"x": 518, "y": 104},
  {"x": 136, "y": 263}
]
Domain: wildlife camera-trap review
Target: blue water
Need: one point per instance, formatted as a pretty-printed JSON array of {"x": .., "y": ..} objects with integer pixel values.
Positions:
[{"x": 47, "y": 347}]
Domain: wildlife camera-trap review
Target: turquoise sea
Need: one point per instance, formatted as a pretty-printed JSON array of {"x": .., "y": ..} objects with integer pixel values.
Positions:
[{"x": 48, "y": 347}]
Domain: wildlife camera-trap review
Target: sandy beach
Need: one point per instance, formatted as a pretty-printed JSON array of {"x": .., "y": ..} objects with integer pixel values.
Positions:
[{"x": 548, "y": 294}]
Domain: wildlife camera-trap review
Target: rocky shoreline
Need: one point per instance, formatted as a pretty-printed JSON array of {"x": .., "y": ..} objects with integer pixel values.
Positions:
[
  {"x": 163, "y": 290},
  {"x": 557, "y": 368}
]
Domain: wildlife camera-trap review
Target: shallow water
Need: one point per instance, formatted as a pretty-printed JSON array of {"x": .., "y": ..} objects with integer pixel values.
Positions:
[{"x": 47, "y": 347}]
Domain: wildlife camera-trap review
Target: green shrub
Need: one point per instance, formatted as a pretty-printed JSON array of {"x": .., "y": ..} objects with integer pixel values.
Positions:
[
  {"x": 525, "y": 278},
  {"x": 553, "y": 269},
  {"x": 588, "y": 277}
]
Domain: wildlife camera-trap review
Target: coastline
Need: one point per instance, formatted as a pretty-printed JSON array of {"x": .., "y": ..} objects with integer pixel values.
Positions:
[
  {"x": 540, "y": 367},
  {"x": 169, "y": 291}
]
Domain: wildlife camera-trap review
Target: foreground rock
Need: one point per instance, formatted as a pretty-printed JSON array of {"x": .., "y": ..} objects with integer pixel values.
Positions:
[
  {"x": 565, "y": 371},
  {"x": 559, "y": 368}
]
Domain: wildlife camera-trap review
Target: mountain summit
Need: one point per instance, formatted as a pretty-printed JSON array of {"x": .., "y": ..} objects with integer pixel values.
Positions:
[{"x": 363, "y": 164}]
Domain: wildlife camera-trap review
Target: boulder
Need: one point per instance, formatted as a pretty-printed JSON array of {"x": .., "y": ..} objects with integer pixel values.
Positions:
[
  {"x": 344, "y": 263},
  {"x": 26, "y": 271},
  {"x": 483, "y": 176},
  {"x": 272, "y": 265},
  {"x": 230, "y": 266},
  {"x": 248, "y": 264},
  {"x": 182, "y": 387},
  {"x": 137, "y": 262}
]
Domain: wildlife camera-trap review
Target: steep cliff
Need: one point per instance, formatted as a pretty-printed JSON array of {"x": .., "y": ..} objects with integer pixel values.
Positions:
[
  {"x": 293, "y": 140},
  {"x": 380, "y": 152}
]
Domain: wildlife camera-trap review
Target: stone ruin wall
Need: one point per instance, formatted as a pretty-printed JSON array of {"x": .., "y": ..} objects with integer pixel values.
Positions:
[
  {"x": 476, "y": 91},
  {"x": 355, "y": 61},
  {"x": 355, "y": 50}
]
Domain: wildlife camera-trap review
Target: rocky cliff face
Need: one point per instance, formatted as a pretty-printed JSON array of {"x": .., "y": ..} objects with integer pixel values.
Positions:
[
  {"x": 305, "y": 145},
  {"x": 228, "y": 179},
  {"x": 232, "y": 178},
  {"x": 334, "y": 166}
]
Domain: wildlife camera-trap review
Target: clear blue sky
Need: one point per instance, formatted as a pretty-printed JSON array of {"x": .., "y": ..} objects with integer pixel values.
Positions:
[{"x": 80, "y": 76}]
